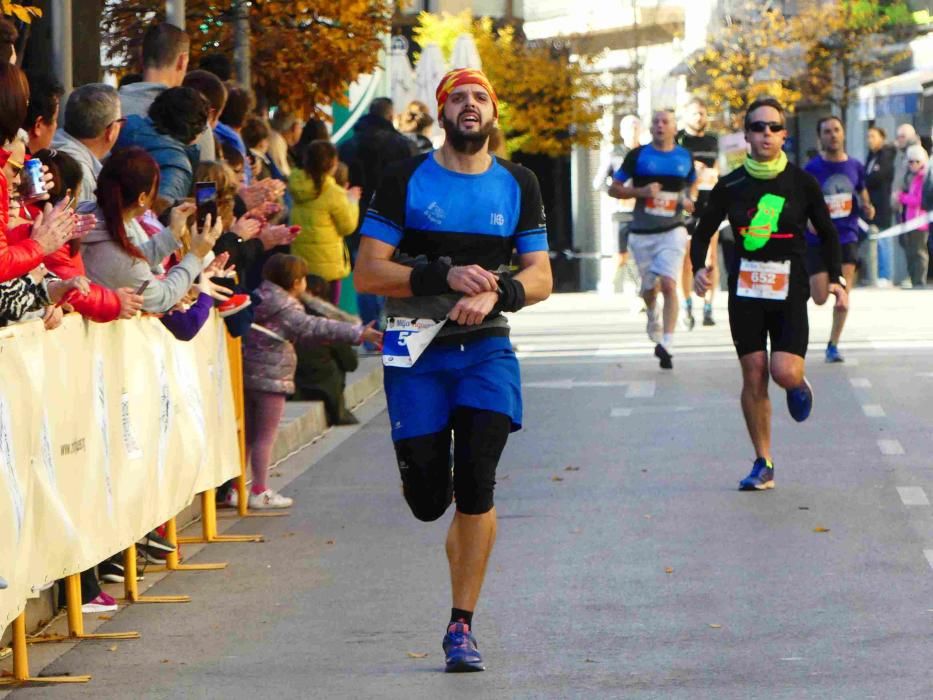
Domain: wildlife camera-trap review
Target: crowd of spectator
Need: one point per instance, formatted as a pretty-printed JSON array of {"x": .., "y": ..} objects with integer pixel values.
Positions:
[{"x": 99, "y": 216}]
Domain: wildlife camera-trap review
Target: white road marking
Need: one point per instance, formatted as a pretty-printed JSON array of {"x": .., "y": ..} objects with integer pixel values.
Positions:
[
  {"x": 873, "y": 410},
  {"x": 640, "y": 390},
  {"x": 913, "y": 496},
  {"x": 890, "y": 447},
  {"x": 928, "y": 553},
  {"x": 620, "y": 413},
  {"x": 860, "y": 383},
  {"x": 571, "y": 384}
]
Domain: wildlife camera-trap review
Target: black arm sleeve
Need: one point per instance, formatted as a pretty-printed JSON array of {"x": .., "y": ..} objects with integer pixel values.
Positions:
[
  {"x": 627, "y": 170},
  {"x": 818, "y": 213},
  {"x": 712, "y": 216}
]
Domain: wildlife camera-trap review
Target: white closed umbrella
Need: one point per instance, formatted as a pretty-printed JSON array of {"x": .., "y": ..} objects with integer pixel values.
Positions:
[
  {"x": 401, "y": 74},
  {"x": 428, "y": 73},
  {"x": 465, "y": 54}
]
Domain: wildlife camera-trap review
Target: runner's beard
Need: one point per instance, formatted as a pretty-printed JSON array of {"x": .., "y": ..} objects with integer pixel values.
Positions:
[{"x": 466, "y": 142}]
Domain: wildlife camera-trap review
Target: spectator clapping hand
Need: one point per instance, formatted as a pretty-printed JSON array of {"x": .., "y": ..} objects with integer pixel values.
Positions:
[
  {"x": 246, "y": 227},
  {"x": 217, "y": 268},
  {"x": 278, "y": 234},
  {"x": 54, "y": 226}
]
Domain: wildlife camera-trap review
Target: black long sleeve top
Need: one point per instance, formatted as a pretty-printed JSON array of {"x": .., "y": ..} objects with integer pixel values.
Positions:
[{"x": 769, "y": 218}]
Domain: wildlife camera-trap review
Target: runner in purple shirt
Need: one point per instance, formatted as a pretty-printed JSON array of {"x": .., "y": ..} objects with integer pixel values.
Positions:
[{"x": 842, "y": 180}]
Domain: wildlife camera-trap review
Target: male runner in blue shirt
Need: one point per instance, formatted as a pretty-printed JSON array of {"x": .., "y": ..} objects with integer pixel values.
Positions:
[{"x": 437, "y": 241}]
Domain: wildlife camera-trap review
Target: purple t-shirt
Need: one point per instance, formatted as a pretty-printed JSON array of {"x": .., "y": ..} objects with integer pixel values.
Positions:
[{"x": 841, "y": 183}]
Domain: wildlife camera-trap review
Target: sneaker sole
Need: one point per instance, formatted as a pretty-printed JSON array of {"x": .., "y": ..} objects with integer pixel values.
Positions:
[
  {"x": 231, "y": 312},
  {"x": 465, "y": 667},
  {"x": 665, "y": 357},
  {"x": 152, "y": 544},
  {"x": 98, "y": 608},
  {"x": 812, "y": 397},
  {"x": 763, "y": 487}
]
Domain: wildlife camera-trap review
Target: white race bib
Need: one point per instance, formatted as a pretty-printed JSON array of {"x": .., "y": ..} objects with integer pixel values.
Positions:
[
  {"x": 405, "y": 339},
  {"x": 840, "y": 205},
  {"x": 764, "y": 280},
  {"x": 662, "y": 204}
]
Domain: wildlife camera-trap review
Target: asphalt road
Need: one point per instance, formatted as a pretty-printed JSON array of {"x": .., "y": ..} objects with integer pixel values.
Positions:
[{"x": 627, "y": 565}]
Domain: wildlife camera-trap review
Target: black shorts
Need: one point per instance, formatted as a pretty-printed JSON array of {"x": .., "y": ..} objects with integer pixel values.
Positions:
[
  {"x": 623, "y": 236},
  {"x": 754, "y": 321},
  {"x": 815, "y": 264}
]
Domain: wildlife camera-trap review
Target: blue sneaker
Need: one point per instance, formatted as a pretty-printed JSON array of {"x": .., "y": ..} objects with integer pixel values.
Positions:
[
  {"x": 832, "y": 354},
  {"x": 460, "y": 651},
  {"x": 760, "y": 478},
  {"x": 800, "y": 401}
]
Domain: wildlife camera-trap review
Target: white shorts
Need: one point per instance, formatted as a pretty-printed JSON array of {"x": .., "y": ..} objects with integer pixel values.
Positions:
[{"x": 659, "y": 254}]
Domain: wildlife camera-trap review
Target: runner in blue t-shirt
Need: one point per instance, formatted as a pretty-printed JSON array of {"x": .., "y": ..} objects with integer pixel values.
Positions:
[
  {"x": 660, "y": 177},
  {"x": 438, "y": 241},
  {"x": 842, "y": 180}
]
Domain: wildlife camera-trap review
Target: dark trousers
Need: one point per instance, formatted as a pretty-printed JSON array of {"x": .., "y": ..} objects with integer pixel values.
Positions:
[{"x": 918, "y": 256}]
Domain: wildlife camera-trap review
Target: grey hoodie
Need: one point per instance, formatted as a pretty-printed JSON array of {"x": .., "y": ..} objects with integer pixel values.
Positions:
[
  {"x": 90, "y": 166},
  {"x": 109, "y": 265},
  {"x": 136, "y": 98}
]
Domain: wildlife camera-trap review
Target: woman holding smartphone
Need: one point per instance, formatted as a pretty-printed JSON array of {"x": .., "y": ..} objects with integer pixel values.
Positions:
[{"x": 118, "y": 253}]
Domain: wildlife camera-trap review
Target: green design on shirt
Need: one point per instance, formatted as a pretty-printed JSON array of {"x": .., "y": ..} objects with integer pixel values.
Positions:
[{"x": 764, "y": 223}]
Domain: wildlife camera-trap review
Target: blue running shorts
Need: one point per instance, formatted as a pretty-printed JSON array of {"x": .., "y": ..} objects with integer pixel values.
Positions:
[{"x": 480, "y": 374}]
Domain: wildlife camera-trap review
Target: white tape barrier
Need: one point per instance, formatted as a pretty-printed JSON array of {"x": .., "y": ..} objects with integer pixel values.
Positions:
[{"x": 898, "y": 229}]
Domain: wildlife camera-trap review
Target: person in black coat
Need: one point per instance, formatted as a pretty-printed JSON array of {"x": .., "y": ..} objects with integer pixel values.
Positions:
[{"x": 879, "y": 179}]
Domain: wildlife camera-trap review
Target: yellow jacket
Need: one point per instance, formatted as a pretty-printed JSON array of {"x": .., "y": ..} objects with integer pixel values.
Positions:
[{"x": 325, "y": 221}]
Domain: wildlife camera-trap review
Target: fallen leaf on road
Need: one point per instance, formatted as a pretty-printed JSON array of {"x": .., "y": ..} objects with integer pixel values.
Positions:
[
  {"x": 644, "y": 471},
  {"x": 803, "y": 507},
  {"x": 557, "y": 478},
  {"x": 668, "y": 570},
  {"x": 715, "y": 627},
  {"x": 417, "y": 655},
  {"x": 590, "y": 661},
  {"x": 113, "y": 648},
  {"x": 571, "y": 469},
  {"x": 821, "y": 529},
  {"x": 105, "y": 617},
  {"x": 165, "y": 661},
  {"x": 329, "y": 542}
]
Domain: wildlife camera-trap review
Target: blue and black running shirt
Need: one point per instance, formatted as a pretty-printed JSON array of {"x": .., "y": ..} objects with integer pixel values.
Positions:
[
  {"x": 673, "y": 170},
  {"x": 422, "y": 208}
]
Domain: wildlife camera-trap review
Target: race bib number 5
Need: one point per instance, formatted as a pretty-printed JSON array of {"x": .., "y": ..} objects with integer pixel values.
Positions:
[
  {"x": 405, "y": 339},
  {"x": 662, "y": 204},
  {"x": 764, "y": 280}
]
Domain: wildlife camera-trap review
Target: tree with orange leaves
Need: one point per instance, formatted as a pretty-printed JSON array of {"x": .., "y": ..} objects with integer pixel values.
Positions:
[{"x": 305, "y": 53}]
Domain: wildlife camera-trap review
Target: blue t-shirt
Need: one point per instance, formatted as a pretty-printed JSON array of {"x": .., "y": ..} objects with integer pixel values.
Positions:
[
  {"x": 422, "y": 208},
  {"x": 673, "y": 170},
  {"x": 841, "y": 183}
]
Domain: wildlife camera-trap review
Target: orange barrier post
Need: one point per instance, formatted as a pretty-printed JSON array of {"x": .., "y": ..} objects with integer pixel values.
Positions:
[
  {"x": 172, "y": 560},
  {"x": 76, "y": 620},
  {"x": 21, "y": 662},
  {"x": 131, "y": 589}
]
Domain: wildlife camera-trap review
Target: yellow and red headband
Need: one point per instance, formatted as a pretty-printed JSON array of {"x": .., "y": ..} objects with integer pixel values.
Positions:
[{"x": 464, "y": 76}]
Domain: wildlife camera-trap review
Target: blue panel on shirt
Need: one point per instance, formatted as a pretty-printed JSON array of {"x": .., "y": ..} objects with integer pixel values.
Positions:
[{"x": 380, "y": 228}]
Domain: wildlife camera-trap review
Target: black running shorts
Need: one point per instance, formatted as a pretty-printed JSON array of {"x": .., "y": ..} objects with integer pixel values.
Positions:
[
  {"x": 816, "y": 265},
  {"x": 754, "y": 321}
]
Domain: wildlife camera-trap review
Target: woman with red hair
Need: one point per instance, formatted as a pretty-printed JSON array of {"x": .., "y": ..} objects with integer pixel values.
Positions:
[{"x": 118, "y": 252}]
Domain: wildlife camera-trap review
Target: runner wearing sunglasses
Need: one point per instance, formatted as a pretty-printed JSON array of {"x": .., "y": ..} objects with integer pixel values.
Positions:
[
  {"x": 841, "y": 179},
  {"x": 768, "y": 202}
]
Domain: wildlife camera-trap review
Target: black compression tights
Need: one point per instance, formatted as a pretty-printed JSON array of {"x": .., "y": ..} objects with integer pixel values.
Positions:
[{"x": 429, "y": 482}]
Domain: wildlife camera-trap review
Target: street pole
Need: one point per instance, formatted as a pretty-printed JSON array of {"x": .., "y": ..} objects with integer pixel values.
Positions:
[
  {"x": 175, "y": 13},
  {"x": 241, "y": 52},
  {"x": 62, "y": 52}
]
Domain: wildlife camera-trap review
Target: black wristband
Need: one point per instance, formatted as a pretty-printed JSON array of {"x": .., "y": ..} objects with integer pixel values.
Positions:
[
  {"x": 511, "y": 294},
  {"x": 430, "y": 279}
]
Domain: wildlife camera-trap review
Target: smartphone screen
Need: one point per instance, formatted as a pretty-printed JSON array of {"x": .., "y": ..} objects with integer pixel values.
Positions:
[{"x": 205, "y": 196}]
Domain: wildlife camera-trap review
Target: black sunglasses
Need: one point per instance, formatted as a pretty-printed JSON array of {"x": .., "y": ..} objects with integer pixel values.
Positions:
[{"x": 759, "y": 127}]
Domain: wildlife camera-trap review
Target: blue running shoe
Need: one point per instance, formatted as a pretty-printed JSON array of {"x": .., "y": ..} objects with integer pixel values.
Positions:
[
  {"x": 460, "y": 651},
  {"x": 832, "y": 354},
  {"x": 760, "y": 478},
  {"x": 800, "y": 401}
]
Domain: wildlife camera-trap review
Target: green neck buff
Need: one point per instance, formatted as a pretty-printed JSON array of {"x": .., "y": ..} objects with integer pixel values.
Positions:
[{"x": 767, "y": 170}]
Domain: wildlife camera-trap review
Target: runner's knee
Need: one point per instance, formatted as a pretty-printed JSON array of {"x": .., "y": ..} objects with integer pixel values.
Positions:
[
  {"x": 479, "y": 438},
  {"x": 424, "y": 465},
  {"x": 668, "y": 285}
]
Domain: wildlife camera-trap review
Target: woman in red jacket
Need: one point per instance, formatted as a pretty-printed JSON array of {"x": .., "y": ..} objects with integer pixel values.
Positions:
[{"x": 56, "y": 225}]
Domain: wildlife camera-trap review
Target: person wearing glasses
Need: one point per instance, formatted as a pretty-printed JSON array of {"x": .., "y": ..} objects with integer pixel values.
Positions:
[
  {"x": 92, "y": 125},
  {"x": 843, "y": 182},
  {"x": 661, "y": 178},
  {"x": 768, "y": 202}
]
